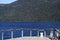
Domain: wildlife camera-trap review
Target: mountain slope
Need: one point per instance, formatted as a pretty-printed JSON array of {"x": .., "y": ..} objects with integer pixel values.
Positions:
[{"x": 31, "y": 10}]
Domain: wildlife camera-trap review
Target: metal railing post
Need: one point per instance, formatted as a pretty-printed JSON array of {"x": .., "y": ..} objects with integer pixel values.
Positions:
[
  {"x": 45, "y": 33},
  {"x": 51, "y": 35},
  {"x": 22, "y": 33},
  {"x": 2, "y": 35},
  {"x": 38, "y": 33},
  {"x": 11, "y": 34},
  {"x": 30, "y": 33}
]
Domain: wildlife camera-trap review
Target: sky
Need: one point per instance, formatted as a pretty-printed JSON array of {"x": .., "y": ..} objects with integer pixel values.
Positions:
[{"x": 6, "y": 1}]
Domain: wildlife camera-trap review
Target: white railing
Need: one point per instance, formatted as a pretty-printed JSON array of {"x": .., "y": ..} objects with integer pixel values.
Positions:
[{"x": 22, "y": 32}]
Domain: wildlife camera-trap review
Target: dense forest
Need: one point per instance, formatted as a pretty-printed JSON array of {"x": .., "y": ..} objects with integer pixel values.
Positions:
[{"x": 30, "y": 10}]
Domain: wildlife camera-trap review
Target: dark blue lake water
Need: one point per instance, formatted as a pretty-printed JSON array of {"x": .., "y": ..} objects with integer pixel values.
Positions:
[{"x": 12, "y": 25}]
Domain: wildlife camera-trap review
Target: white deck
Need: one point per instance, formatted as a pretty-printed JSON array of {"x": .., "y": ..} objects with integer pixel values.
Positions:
[{"x": 30, "y": 38}]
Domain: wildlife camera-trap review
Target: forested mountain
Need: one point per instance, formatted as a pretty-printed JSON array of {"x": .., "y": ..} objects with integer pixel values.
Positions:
[{"x": 30, "y": 10}]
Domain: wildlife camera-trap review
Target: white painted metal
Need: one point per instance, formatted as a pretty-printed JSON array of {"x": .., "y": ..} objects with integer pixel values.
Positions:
[
  {"x": 38, "y": 33},
  {"x": 12, "y": 35},
  {"x": 45, "y": 33},
  {"x": 51, "y": 34},
  {"x": 22, "y": 33},
  {"x": 30, "y": 33},
  {"x": 2, "y": 35},
  {"x": 41, "y": 34}
]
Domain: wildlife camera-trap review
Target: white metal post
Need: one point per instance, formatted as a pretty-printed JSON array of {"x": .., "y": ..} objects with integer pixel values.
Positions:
[
  {"x": 45, "y": 33},
  {"x": 2, "y": 35},
  {"x": 51, "y": 35},
  {"x": 30, "y": 33},
  {"x": 22, "y": 33},
  {"x": 11, "y": 34},
  {"x": 38, "y": 33}
]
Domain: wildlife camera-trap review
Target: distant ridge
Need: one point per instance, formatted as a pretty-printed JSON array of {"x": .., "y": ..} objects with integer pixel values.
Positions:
[{"x": 31, "y": 10}]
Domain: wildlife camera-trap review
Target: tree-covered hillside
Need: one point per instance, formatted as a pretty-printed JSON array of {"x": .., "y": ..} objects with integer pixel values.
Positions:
[{"x": 31, "y": 10}]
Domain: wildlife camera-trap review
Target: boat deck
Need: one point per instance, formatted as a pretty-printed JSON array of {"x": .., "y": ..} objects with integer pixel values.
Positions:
[{"x": 30, "y": 38}]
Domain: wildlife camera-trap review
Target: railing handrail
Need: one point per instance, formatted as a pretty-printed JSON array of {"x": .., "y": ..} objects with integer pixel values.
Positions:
[{"x": 25, "y": 29}]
